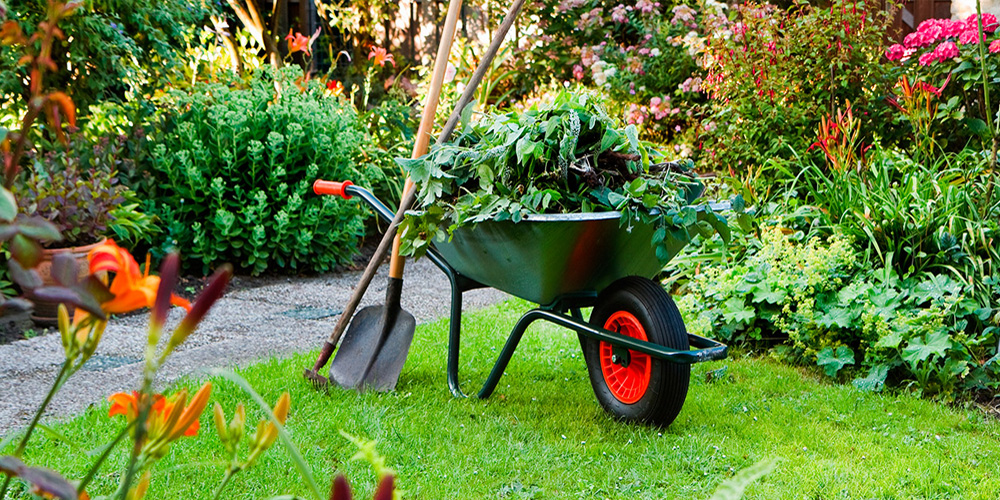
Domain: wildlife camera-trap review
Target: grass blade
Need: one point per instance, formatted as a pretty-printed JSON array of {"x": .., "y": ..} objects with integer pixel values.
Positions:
[{"x": 734, "y": 487}]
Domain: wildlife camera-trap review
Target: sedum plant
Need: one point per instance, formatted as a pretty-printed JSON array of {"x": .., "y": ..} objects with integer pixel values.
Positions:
[{"x": 231, "y": 170}]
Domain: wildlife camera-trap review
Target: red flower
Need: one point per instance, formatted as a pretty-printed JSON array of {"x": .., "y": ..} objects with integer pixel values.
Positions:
[{"x": 335, "y": 87}]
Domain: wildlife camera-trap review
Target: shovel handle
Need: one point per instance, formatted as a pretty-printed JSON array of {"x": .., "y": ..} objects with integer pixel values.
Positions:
[{"x": 332, "y": 187}]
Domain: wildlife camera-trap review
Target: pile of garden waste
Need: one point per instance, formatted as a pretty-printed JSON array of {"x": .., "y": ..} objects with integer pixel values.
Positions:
[{"x": 563, "y": 156}]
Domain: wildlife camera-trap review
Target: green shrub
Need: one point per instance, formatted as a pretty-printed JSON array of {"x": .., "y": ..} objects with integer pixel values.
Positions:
[
  {"x": 942, "y": 218},
  {"x": 232, "y": 168},
  {"x": 76, "y": 187},
  {"x": 817, "y": 300},
  {"x": 118, "y": 47}
]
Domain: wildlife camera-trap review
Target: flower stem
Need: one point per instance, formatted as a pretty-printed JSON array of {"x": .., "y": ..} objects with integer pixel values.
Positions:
[
  {"x": 60, "y": 378},
  {"x": 230, "y": 472},
  {"x": 104, "y": 456}
]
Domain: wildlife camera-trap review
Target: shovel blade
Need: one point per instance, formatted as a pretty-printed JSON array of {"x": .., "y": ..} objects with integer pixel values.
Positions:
[{"x": 360, "y": 351}]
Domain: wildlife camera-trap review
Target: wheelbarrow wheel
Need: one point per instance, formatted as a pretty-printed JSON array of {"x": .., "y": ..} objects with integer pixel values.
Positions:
[{"x": 631, "y": 385}]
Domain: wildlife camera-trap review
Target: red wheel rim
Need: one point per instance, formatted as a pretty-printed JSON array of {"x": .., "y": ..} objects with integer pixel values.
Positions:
[{"x": 628, "y": 384}]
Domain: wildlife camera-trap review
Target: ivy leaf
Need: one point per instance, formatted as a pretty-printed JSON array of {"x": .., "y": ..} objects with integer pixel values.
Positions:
[
  {"x": 8, "y": 205},
  {"x": 764, "y": 293},
  {"x": 832, "y": 360},
  {"x": 616, "y": 200},
  {"x": 936, "y": 288},
  {"x": 718, "y": 222},
  {"x": 610, "y": 138},
  {"x": 633, "y": 137},
  {"x": 978, "y": 127},
  {"x": 890, "y": 341},
  {"x": 919, "y": 350}
]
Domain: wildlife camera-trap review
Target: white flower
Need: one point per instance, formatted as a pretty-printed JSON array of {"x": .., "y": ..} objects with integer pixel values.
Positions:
[{"x": 655, "y": 52}]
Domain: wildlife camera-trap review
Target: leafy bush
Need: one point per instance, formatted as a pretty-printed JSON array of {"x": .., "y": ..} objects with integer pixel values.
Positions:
[
  {"x": 942, "y": 218},
  {"x": 776, "y": 72},
  {"x": 817, "y": 299},
  {"x": 232, "y": 169},
  {"x": 76, "y": 187},
  {"x": 118, "y": 47}
]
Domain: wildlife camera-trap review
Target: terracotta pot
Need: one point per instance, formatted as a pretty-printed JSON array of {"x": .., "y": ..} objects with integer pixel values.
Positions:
[{"x": 45, "y": 312}]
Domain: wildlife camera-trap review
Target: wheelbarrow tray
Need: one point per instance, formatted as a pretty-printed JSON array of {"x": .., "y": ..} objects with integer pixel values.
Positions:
[{"x": 548, "y": 256}]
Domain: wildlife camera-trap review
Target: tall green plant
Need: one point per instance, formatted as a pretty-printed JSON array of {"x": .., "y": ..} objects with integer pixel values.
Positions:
[{"x": 232, "y": 169}]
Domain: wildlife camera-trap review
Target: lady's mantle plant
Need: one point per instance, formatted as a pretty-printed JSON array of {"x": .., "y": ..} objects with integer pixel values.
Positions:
[{"x": 565, "y": 156}]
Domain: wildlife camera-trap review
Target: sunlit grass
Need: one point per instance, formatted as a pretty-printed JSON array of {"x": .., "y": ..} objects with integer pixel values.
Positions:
[{"x": 543, "y": 435}]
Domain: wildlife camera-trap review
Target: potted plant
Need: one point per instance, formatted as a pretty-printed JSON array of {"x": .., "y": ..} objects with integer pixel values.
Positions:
[{"x": 75, "y": 187}]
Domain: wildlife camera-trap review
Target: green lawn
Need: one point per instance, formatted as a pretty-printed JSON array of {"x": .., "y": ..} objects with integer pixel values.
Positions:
[{"x": 543, "y": 435}]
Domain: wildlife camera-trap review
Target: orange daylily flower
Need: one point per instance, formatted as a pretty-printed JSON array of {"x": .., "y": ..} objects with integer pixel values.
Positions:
[
  {"x": 381, "y": 56},
  {"x": 123, "y": 403},
  {"x": 169, "y": 419},
  {"x": 131, "y": 288}
]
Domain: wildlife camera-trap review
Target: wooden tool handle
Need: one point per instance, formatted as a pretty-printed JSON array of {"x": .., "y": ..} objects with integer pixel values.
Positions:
[
  {"x": 410, "y": 196},
  {"x": 423, "y": 139}
]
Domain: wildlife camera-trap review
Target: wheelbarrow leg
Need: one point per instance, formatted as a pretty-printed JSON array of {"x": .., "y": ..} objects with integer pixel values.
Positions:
[
  {"x": 454, "y": 338},
  {"x": 508, "y": 350},
  {"x": 459, "y": 285}
]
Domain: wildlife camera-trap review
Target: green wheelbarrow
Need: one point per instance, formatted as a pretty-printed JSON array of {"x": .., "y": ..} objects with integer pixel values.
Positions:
[{"x": 637, "y": 350}]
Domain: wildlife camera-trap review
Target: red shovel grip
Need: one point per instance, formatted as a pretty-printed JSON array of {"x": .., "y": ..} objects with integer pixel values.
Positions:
[{"x": 332, "y": 187}]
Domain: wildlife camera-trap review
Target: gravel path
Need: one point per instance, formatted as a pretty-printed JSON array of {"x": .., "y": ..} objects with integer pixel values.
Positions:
[{"x": 258, "y": 318}]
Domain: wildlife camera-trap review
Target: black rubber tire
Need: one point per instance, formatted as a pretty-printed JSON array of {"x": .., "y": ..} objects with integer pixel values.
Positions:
[{"x": 663, "y": 325}]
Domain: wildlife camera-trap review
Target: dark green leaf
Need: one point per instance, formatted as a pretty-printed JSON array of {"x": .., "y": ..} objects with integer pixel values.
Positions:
[
  {"x": 918, "y": 350},
  {"x": 25, "y": 251},
  {"x": 832, "y": 360},
  {"x": 875, "y": 379}
]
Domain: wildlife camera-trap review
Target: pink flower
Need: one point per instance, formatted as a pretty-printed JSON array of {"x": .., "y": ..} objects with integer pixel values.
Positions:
[
  {"x": 578, "y": 72},
  {"x": 951, "y": 29},
  {"x": 655, "y": 101},
  {"x": 618, "y": 14},
  {"x": 934, "y": 32},
  {"x": 929, "y": 24},
  {"x": 945, "y": 51},
  {"x": 969, "y": 37},
  {"x": 917, "y": 39},
  {"x": 990, "y": 23},
  {"x": 995, "y": 46},
  {"x": 927, "y": 58},
  {"x": 895, "y": 52}
]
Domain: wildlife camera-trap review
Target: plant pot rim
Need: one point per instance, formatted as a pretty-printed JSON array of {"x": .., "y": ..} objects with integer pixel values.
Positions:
[{"x": 77, "y": 249}]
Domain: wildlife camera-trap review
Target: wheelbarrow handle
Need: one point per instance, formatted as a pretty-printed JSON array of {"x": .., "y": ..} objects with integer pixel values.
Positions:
[{"x": 332, "y": 187}]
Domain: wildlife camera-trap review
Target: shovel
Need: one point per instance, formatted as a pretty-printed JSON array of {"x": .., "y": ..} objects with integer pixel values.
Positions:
[
  {"x": 375, "y": 346},
  {"x": 384, "y": 358}
]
